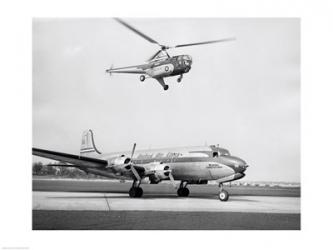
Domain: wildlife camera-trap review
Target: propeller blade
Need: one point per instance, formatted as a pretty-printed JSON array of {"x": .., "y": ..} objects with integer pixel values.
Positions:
[
  {"x": 172, "y": 180},
  {"x": 136, "y": 174},
  {"x": 133, "y": 151},
  {"x": 137, "y": 31},
  {"x": 206, "y": 42}
]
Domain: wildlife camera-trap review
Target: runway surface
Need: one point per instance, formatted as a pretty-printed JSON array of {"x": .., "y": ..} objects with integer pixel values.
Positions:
[
  {"x": 161, "y": 220},
  {"x": 121, "y": 202},
  {"x": 110, "y": 186},
  {"x": 106, "y": 205}
]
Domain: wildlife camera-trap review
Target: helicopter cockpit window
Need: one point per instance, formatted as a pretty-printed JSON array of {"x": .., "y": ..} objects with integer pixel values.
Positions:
[{"x": 186, "y": 57}]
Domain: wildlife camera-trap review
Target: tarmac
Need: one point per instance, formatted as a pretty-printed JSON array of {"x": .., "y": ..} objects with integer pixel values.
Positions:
[
  {"x": 121, "y": 202},
  {"x": 60, "y": 204}
]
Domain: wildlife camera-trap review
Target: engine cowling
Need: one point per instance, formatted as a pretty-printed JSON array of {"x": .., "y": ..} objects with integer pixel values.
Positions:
[
  {"x": 121, "y": 160},
  {"x": 158, "y": 172}
]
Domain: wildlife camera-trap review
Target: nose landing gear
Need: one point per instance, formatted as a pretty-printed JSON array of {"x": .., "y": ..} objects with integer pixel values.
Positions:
[{"x": 223, "y": 195}]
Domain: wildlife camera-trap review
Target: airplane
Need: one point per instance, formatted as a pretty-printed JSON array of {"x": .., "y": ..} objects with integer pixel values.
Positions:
[
  {"x": 161, "y": 65},
  {"x": 189, "y": 165}
]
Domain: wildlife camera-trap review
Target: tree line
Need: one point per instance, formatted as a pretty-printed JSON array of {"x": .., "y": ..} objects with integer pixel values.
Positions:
[{"x": 40, "y": 169}]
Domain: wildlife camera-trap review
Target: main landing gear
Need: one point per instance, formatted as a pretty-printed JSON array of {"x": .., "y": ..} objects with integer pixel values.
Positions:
[
  {"x": 179, "y": 79},
  {"x": 135, "y": 190},
  {"x": 142, "y": 78},
  {"x": 183, "y": 190},
  {"x": 223, "y": 195}
]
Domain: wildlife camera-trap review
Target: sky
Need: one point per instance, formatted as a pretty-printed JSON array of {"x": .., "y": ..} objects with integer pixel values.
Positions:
[{"x": 243, "y": 95}]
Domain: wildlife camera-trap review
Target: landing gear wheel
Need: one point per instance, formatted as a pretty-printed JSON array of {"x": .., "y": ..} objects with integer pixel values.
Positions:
[
  {"x": 135, "y": 192},
  {"x": 142, "y": 78},
  {"x": 186, "y": 192},
  {"x": 183, "y": 192},
  {"x": 179, "y": 79},
  {"x": 132, "y": 192},
  {"x": 139, "y": 192},
  {"x": 166, "y": 87},
  {"x": 223, "y": 195}
]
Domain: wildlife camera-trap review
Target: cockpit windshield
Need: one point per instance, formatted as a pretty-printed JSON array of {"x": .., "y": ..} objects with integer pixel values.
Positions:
[
  {"x": 223, "y": 152},
  {"x": 219, "y": 151},
  {"x": 187, "y": 57}
]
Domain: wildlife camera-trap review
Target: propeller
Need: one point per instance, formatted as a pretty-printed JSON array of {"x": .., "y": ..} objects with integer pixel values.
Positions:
[
  {"x": 165, "y": 47},
  {"x": 167, "y": 172},
  {"x": 133, "y": 150},
  {"x": 109, "y": 70},
  {"x": 129, "y": 164},
  {"x": 167, "y": 169}
]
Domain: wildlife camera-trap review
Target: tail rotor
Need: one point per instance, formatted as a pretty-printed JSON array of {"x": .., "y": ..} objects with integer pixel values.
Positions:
[{"x": 109, "y": 71}]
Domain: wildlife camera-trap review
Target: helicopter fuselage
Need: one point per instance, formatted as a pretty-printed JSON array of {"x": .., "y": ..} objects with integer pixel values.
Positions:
[{"x": 170, "y": 66}]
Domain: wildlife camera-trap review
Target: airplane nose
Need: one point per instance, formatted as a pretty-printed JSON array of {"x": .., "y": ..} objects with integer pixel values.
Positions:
[
  {"x": 242, "y": 168},
  {"x": 240, "y": 165}
]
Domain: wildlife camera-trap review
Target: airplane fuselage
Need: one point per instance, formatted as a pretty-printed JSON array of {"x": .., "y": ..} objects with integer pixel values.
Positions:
[{"x": 193, "y": 164}]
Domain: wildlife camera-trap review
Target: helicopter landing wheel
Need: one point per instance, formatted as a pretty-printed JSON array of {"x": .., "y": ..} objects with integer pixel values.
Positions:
[
  {"x": 142, "y": 78},
  {"x": 166, "y": 87},
  {"x": 179, "y": 79}
]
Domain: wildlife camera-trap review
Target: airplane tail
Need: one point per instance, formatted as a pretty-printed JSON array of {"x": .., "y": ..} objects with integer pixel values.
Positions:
[{"x": 88, "y": 147}]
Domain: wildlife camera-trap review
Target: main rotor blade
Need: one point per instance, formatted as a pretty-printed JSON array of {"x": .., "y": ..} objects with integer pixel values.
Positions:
[
  {"x": 136, "y": 31},
  {"x": 153, "y": 56},
  {"x": 206, "y": 42}
]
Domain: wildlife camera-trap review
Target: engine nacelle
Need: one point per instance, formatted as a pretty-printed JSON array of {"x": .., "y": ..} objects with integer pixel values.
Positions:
[
  {"x": 158, "y": 172},
  {"x": 119, "y": 160}
]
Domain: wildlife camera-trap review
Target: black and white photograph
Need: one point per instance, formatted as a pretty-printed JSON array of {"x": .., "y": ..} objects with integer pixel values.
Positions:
[{"x": 166, "y": 123}]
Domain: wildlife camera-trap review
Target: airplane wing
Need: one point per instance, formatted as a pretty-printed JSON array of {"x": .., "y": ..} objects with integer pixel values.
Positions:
[
  {"x": 78, "y": 161},
  {"x": 81, "y": 161}
]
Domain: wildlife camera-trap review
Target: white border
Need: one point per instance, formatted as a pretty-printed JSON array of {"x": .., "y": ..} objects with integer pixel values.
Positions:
[{"x": 15, "y": 56}]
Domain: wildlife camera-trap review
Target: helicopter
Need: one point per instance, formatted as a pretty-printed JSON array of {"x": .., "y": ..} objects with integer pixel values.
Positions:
[{"x": 161, "y": 64}]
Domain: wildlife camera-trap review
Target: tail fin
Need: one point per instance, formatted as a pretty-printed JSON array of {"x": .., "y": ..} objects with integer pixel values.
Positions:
[{"x": 88, "y": 147}]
